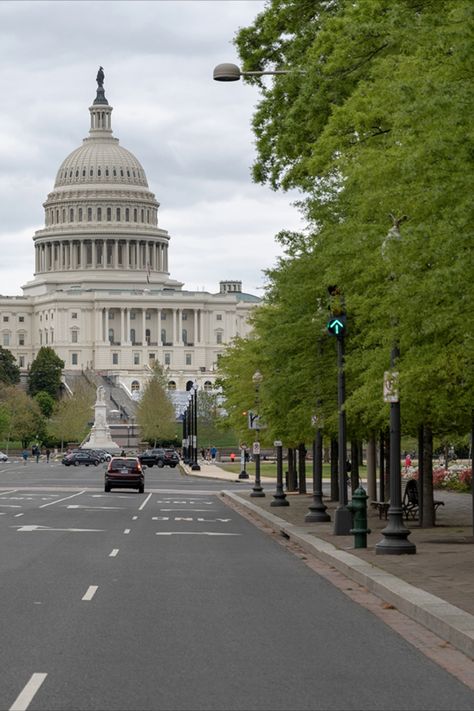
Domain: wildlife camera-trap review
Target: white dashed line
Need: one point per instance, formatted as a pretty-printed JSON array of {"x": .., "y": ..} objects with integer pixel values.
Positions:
[
  {"x": 57, "y": 501},
  {"x": 114, "y": 553},
  {"x": 134, "y": 518},
  {"x": 26, "y": 696},
  {"x": 16, "y": 515},
  {"x": 127, "y": 530},
  {"x": 91, "y": 590},
  {"x": 145, "y": 502}
]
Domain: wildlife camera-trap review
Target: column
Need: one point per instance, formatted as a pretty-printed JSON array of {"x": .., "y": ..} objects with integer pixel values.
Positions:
[
  {"x": 127, "y": 328},
  {"x": 180, "y": 325},
  {"x": 98, "y": 325},
  {"x": 158, "y": 321},
  {"x": 107, "y": 325},
  {"x": 195, "y": 333},
  {"x": 126, "y": 254},
  {"x": 94, "y": 254},
  {"x": 81, "y": 254},
  {"x": 116, "y": 254},
  {"x": 173, "y": 321},
  {"x": 122, "y": 325}
]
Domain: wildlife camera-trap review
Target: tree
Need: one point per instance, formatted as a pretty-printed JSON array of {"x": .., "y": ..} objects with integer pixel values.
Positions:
[
  {"x": 155, "y": 413},
  {"x": 9, "y": 371},
  {"x": 45, "y": 372},
  {"x": 46, "y": 403},
  {"x": 208, "y": 416},
  {"x": 72, "y": 415},
  {"x": 26, "y": 421}
]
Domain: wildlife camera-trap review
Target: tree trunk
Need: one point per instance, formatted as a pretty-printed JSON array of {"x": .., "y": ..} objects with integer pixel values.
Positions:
[
  {"x": 428, "y": 504},
  {"x": 302, "y": 468},
  {"x": 334, "y": 471},
  {"x": 291, "y": 470},
  {"x": 371, "y": 469},
  {"x": 354, "y": 465}
]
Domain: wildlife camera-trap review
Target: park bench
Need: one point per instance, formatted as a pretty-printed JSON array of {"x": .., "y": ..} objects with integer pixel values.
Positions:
[{"x": 410, "y": 503}]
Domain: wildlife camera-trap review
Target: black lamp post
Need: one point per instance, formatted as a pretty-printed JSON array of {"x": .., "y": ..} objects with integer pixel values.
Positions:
[
  {"x": 279, "y": 497},
  {"x": 243, "y": 462},
  {"x": 257, "y": 490},
  {"x": 317, "y": 509},
  {"x": 195, "y": 466},
  {"x": 395, "y": 534}
]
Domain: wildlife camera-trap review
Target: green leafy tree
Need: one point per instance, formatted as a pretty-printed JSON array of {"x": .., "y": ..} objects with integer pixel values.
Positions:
[
  {"x": 209, "y": 418},
  {"x": 45, "y": 372},
  {"x": 155, "y": 413},
  {"x": 72, "y": 416},
  {"x": 26, "y": 421},
  {"x": 46, "y": 403},
  {"x": 9, "y": 371}
]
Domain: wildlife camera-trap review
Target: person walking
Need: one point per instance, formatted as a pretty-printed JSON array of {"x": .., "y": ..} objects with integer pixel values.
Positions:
[
  {"x": 48, "y": 454},
  {"x": 213, "y": 454},
  {"x": 24, "y": 455}
]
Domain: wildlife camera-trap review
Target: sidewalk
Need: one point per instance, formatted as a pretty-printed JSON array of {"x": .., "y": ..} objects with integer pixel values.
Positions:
[{"x": 435, "y": 586}]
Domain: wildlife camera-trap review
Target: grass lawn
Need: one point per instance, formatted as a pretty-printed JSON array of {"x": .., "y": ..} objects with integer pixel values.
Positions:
[{"x": 269, "y": 469}]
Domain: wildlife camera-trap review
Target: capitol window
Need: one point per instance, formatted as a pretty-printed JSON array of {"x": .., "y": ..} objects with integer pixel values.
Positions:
[
  {"x": 135, "y": 215},
  {"x": 21, "y": 339},
  {"x": 21, "y": 361},
  {"x": 99, "y": 214},
  {"x": 89, "y": 214},
  {"x": 71, "y": 214},
  {"x": 109, "y": 214},
  {"x": 219, "y": 337},
  {"x": 107, "y": 171},
  {"x": 73, "y": 336},
  {"x": 117, "y": 215},
  {"x": 114, "y": 358},
  {"x": 91, "y": 172},
  {"x": 84, "y": 173},
  {"x": 6, "y": 339},
  {"x": 171, "y": 385},
  {"x": 74, "y": 314},
  {"x": 99, "y": 172},
  {"x": 189, "y": 359},
  {"x": 73, "y": 358},
  {"x": 115, "y": 172},
  {"x": 6, "y": 319},
  {"x": 127, "y": 214},
  {"x": 79, "y": 216},
  {"x": 136, "y": 359},
  {"x": 167, "y": 358},
  {"x": 21, "y": 319}
]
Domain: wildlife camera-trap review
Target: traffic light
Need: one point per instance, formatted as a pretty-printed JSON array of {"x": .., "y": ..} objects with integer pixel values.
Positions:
[{"x": 336, "y": 326}]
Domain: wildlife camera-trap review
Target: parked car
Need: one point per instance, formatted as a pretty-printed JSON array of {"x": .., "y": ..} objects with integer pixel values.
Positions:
[
  {"x": 3, "y": 457},
  {"x": 124, "y": 472},
  {"x": 159, "y": 456},
  {"x": 81, "y": 457}
]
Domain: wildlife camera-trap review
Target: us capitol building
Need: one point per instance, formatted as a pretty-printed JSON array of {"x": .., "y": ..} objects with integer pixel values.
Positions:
[{"x": 102, "y": 295}]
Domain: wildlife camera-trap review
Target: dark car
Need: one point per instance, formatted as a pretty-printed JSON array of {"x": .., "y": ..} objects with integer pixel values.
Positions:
[
  {"x": 81, "y": 457},
  {"x": 125, "y": 472},
  {"x": 160, "y": 457}
]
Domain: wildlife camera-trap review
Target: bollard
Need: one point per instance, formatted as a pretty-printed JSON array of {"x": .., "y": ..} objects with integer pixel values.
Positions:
[{"x": 358, "y": 506}]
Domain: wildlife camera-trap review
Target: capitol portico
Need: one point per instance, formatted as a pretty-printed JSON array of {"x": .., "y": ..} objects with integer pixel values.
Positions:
[{"x": 102, "y": 295}]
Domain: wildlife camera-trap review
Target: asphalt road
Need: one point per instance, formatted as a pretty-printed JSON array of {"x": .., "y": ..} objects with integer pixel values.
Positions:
[{"x": 171, "y": 600}]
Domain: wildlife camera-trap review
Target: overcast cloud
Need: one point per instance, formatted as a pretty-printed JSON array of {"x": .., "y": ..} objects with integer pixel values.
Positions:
[{"x": 191, "y": 134}]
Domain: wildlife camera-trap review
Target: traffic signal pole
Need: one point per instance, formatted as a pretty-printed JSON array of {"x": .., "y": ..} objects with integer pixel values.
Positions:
[{"x": 342, "y": 515}]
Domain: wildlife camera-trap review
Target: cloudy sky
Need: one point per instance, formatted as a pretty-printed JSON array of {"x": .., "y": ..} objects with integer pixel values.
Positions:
[{"x": 191, "y": 134}]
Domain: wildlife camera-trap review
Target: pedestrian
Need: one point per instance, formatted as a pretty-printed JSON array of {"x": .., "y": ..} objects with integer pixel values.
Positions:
[
  {"x": 203, "y": 453},
  {"x": 48, "y": 454},
  {"x": 24, "y": 455},
  {"x": 37, "y": 453},
  {"x": 232, "y": 457},
  {"x": 407, "y": 462},
  {"x": 208, "y": 455},
  {"x": 122, "y": 453},
  {"x": 213, "y": 454}
]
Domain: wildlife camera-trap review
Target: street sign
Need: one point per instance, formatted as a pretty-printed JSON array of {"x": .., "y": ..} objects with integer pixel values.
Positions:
[
  {"x": 256, "y": 448},
  {"x": 336, "y": 325},
  {"x": 390, "y": 386},
  {"x": 252, "y": 419},
  {"x": 278, "y": 443}
]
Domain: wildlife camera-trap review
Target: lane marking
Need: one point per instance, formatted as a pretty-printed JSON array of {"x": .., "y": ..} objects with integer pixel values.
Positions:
[
  {"x": 91, "y": 591},
  {"x": 95, "y": 508},
  {"x": 194, "y": 533},
  {"x": 134, "y": 518},
  {"x": 127, "y": 530},
  {"x": 199, "y": 510},
  {"x": 11, "y": 506},
  {"x": 140, "y": 508},
  {"x": 25, "y": 697},
  {"x": 16, "y": 515},
  {"x": 57, "y": 501},
  {"x": 33, "y": 527},
  {"x": 13, "y": 491},
  {"x": 114, "y": 553}
]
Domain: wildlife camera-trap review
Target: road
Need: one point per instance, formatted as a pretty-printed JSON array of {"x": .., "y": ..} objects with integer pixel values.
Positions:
[{"x": 171, "y": 600}]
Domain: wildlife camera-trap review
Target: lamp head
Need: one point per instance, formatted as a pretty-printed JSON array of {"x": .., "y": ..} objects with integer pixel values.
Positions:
[{"x": 226, "y": 72}]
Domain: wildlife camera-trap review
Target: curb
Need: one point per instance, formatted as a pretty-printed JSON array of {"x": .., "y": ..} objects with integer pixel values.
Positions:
[{"x": 440, "y": 617}]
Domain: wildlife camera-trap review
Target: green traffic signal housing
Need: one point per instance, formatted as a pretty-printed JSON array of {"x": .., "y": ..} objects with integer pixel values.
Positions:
[{"x": 336, "y": 326}]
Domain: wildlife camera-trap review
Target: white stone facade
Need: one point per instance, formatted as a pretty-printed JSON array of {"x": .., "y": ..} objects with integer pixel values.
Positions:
[{"x": 102, "y": 295}]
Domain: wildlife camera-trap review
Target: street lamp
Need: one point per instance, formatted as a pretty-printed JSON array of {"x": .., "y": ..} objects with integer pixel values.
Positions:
[
  {"x": 243, "y": 462},
  {"x": 395, "y": 535},
  {"x": 257, "y": 490},
  {"x": 195, "y": 466},
  {"x": 231, "y": 72}
]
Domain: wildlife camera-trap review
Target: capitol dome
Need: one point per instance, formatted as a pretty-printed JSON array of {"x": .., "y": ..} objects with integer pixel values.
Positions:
[{"x": 101, "y": 218}]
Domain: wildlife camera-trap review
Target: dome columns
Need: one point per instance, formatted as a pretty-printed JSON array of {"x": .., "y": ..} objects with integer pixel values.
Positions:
[{"x": 101, "y": 253}]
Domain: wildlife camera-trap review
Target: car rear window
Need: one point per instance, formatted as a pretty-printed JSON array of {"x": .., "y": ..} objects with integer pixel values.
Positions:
[{"x": 117, "y": 465}]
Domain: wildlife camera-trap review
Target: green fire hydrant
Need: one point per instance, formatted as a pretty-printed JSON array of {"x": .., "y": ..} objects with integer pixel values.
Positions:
[{"x": 358, "y": 506}]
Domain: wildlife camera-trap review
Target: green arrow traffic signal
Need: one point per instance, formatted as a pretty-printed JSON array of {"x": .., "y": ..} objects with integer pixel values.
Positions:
[{"x": 336, "y": 325}]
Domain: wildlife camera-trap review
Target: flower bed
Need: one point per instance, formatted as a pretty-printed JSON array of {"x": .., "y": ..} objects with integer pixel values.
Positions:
[{"x": 455, "y": 478}]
